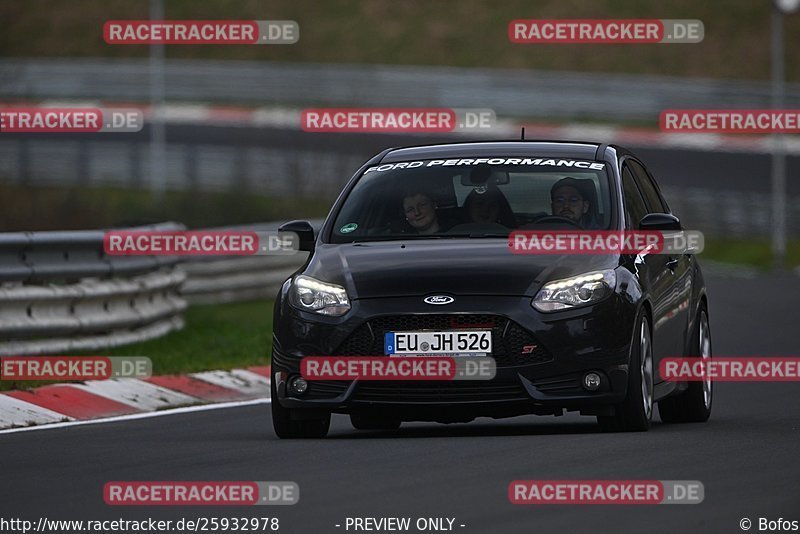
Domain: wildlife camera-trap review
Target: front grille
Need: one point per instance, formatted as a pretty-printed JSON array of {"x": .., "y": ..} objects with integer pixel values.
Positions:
[
  {"x": 432, "y": 392},
  {"x": 440, "y": 392},
  {"x": 509, "y": 339}
]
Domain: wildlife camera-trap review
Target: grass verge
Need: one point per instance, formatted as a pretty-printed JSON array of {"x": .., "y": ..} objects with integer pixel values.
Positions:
[
  {"x": 465, "y": 33},
  {"x": 750, "y": 252},
  {"x": 216, "y": 336},
  {"x": 219, "y": 336},
  {"x": 71, "y": 208}
]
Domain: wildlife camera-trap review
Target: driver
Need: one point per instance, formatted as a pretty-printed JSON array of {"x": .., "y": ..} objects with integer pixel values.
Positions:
[{"x": 566, "y": 200}]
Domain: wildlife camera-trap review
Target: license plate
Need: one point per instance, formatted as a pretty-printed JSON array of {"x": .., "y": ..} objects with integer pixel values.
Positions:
[{"x": 457, "y": 343}]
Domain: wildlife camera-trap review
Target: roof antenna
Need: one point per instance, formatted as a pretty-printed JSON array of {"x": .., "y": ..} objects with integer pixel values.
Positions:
[{"x": 522, "y": 135}]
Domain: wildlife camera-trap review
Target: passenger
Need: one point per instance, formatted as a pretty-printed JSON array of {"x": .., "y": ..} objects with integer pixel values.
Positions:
[
  {"x": 490, "y": 206},
  {"x": 420, "y": 212}
]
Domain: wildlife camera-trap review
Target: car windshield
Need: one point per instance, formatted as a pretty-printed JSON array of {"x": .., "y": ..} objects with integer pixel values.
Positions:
[{"x": 474, "y": 198}]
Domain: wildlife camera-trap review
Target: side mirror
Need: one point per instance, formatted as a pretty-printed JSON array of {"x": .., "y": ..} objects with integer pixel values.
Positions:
[
  {"x": 304, "y": 231},
  {"x": 662, "y": 222}
]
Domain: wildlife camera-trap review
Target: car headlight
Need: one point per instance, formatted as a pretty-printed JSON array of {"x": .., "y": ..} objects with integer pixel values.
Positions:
[
  {"x": 587, "y": 288},
  {"x": 309, "y": 294}
]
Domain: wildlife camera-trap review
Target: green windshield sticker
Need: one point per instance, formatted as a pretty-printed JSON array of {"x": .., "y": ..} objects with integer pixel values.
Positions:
[{"x": 347, "y": 228}]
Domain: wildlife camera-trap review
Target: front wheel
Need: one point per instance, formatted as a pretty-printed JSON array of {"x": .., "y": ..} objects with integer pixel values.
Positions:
[
  {"x": 286, "y": 427},
  {"x": 694, "y": 404},
  {"x": 636, "y": 411}
]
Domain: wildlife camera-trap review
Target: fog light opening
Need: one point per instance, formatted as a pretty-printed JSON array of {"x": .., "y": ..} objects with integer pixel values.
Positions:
[
  {"x": 592, "y": 381},
  {"x": 298, "y": 385}
]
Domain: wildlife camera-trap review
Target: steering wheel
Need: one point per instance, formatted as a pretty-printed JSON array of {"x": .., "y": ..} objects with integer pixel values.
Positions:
[{"x": 558, "y": 219}]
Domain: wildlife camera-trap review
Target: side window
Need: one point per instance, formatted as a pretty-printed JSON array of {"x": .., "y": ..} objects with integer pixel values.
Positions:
[
  {"x": 654, "y": 200},
  {"x": 635, "y": 209}
]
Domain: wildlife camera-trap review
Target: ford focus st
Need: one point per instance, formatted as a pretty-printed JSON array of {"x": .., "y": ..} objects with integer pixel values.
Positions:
[{"x": 414, "y": 261}]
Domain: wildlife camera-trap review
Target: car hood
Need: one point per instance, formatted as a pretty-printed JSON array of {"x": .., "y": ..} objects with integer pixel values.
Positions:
[{"x": 453, "y": 266}]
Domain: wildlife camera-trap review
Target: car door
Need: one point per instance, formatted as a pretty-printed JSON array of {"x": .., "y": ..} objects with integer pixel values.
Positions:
[
  {"x": 679, "y": 264},
  {"x": 655, "y": 276}
]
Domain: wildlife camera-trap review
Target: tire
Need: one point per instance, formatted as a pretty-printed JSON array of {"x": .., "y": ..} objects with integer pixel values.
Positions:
[
  {"x": 286, "y": 428},
  {"x": 694, "y": 404},
  {"x": 373, "y": 422},
  {"x": 635, "y": 413}
]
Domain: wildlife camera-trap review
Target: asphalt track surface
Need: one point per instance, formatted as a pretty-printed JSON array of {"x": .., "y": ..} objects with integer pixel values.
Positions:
[{"x": 746, "y": 455}]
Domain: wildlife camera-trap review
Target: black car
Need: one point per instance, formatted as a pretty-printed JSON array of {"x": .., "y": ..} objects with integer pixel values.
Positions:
[{"x": 411, "y": 247}]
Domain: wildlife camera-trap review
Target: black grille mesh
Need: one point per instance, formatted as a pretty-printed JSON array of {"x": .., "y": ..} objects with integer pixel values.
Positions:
[
  {"x": 439, "y": 392},
  {"x": 419, "y": 391}
]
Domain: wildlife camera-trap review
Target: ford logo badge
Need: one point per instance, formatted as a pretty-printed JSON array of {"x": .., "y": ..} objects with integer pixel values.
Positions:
[{"x": 438, "y": 299}]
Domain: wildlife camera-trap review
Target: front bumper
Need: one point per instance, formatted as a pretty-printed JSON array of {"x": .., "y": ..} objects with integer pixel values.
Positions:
[{"x": 545, "y": 380}]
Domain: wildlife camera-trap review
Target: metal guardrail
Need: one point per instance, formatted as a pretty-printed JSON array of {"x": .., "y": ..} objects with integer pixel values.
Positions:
[
  {"x": 234, "y": 279},
  {"x": 59, "y": 292},
  {"x": 510, "y": 92},
  {"x": 213, "y": 279}
]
